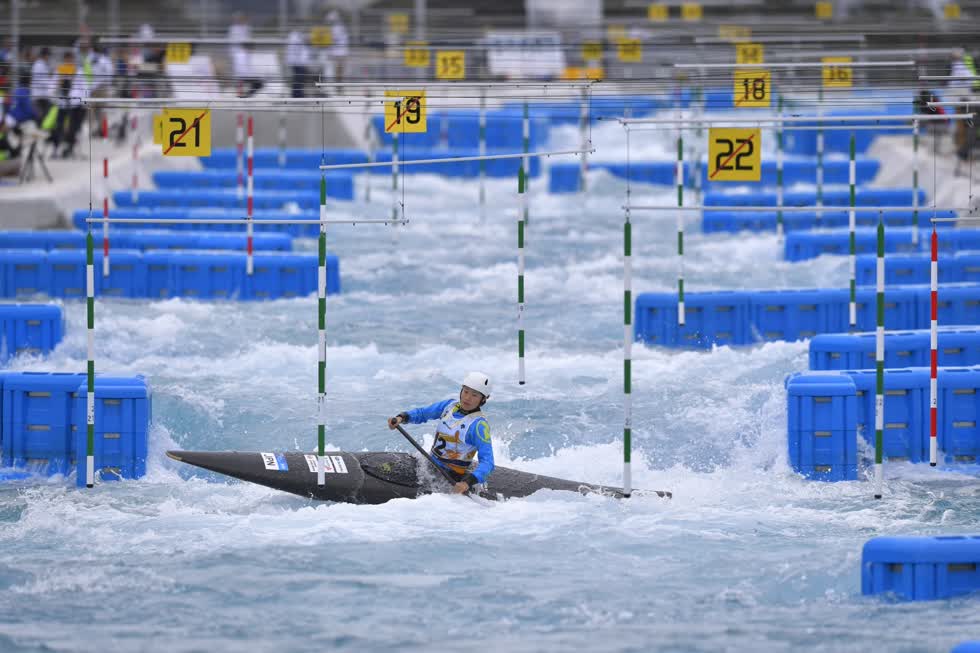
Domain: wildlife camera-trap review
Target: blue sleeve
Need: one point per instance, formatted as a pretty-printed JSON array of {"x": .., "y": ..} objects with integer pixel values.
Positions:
[
  {"x": 479, "y": 436},
  {"x": 424, "y": 414}
]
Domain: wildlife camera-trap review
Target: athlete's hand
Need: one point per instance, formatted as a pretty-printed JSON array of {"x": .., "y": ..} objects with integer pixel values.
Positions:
[
  {"x": 460, "y": 488},
  {"x": 394, "y": 421}
]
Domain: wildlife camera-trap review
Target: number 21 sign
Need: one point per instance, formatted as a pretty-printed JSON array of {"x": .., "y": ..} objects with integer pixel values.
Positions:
[{"x": 734, "y": 154}]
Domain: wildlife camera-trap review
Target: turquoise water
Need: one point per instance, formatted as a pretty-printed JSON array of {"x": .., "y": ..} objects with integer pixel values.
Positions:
[{"x": 747, "y": 556}]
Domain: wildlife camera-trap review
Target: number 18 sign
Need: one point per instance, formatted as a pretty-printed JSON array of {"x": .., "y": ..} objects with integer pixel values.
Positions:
[{"x": 734, "y": 154}]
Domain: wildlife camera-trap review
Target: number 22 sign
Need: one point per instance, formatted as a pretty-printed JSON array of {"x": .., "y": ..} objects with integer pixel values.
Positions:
[{"x": 734, "y": 154}]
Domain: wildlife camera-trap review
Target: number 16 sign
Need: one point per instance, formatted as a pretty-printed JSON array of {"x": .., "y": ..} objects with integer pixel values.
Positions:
[{"x": 734, "y": 154}]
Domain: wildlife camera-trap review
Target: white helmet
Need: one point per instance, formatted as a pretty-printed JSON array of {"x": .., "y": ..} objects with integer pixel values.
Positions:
[{"x": 478, "y": 381}]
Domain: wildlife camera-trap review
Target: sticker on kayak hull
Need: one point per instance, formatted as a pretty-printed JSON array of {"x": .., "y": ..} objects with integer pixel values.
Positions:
[
  {"x": 311, "y": 462},
  {"x": 275, "y": 462},
  {"x": 339, "y": 465}
]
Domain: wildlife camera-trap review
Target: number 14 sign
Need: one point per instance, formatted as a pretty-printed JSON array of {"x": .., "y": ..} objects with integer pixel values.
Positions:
[{"x": 734, "y": 154}]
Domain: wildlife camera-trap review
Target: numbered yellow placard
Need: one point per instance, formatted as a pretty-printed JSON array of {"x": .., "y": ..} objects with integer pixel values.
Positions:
[
  {"x": 691, "y": 11},
  {"x": 157, "y": 129},
  {"x": 451, "y": 64},
  {"x": 658, "y": 13},
  {"x": 321, "y": 36},
  {"x": 951, "y": 11},
  {"x": 748, "y": 53},
  {"x": 592, "y": 51},
  {"x": 734, "y": 154},
  {"x": 837, "y": 72},
  {"x": 629, "y": 50},
  {"x": 734, "y": 32},
  {"x": 398, "y": 23},
  {"x": 178, "y": 52},
  {"x": 752, "y": 89},
  {"x": 405, "y": 113},
  {"x": 615, "y": 32},
  {"x": 596, "y": 73},
  {"x": 824, "y": 10},
  {"x": 417, "y": 54},
  {"x": 186, "y": 132}
]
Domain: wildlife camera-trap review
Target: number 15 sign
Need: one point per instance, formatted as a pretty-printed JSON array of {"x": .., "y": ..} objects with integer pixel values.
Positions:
[{"x": 734, "y": 154}]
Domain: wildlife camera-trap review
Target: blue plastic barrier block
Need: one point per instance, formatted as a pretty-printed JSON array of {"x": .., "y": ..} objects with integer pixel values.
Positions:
[
  {"x": 957, "y": 429},
  {"x": 23, "y": 272},
  {"x": 122, "y": 426},
  {"x": 856, "y": 351},
  {"x": 207, "y": 276},
  {"x": 902, "y": 308},
  {"x": 957, "y": 304},
  {"x": 905, "y": 434},
  {"x": 804, "y": 245},
  {"x": 822, "y": 423},
  {"x": 289, "y": 276},
  {"x": 967, "y": 647},
  {"x": 712, "y": 318},
  {"x": 46, "y": 240},
  {"x": 159, "y": 275},
  {"x": 921, "y": 568},
  {"x": 30, "y": 328},
  {"x": 66, "y": 276},
  {"x": 786, "y": 315},
  {"x": 564, "y": 177},
  {"x": 37, "y": 419}
]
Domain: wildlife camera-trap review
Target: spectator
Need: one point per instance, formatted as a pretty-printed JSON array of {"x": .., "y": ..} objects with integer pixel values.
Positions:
[
  {"x": 82, "y": 83},
  {"x": 339, "y": 47},
  {"x": 298, "y": 60},
  {"x": 43, "y": 82},
  {"x": 965, "y": 140}
]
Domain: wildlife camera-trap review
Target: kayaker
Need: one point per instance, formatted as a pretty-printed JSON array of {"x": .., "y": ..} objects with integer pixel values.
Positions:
[{"x": 462, "y": 433}]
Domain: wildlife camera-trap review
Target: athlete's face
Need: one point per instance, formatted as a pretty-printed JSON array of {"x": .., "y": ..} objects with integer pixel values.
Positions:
[{"x": 469, "y": 399}]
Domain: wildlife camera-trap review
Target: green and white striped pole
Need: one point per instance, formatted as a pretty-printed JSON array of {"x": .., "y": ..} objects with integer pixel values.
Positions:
[
  {"x": 880, "y": 359},
  {"x": 915, "y": 182},
  {"x": 90, "y": 343},
  {"x": 681, "y": 318},
  {"x": 780, "y": 228},
  {"x": 321, "y": 297},
  {"x": 522, "y": 211},
  {"x": 852, "y": 239},
  {"x": 483, "y": 152},
  {"x": 583, "y": 127},
  {"x": 627, "y": 334}
]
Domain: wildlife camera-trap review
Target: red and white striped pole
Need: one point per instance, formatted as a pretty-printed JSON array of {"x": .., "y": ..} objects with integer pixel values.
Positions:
[
  {"x": 251, "y": 200},
  {"x": 239, "y": 159},
  {"x": 105, "y": 199},
  {"x": 137, "y": 143},
  {"x": 933, "y": 347}
]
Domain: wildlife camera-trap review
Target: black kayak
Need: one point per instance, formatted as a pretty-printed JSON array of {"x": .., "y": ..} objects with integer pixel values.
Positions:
[{"x": 370, "y": 477}]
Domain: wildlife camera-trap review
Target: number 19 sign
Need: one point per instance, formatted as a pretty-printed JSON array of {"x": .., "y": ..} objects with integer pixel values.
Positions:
[
  {"x": 734, "y": 154},
  {"x": 405, "y": 113}
]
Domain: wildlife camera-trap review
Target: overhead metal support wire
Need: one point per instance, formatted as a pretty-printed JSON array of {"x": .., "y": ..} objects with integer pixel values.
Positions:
[
  {"x": 801, "y": 64},
  {"x": 792, "y": 119},
  {"x": 451, "y": 159},
  {"x": 242, "y": 221},
  {"x": 787, "y": 39},
  {"x": 790, "y": 209}
]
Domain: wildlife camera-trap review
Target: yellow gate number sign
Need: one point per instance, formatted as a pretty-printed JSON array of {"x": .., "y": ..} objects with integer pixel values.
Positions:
[
  {"x": 824, "y": 10},
  {"x": 398, "y": 23},
  {"x": 321, "y": 37},
  {"x": 417, "y": 54},
  {"x": 951, "y": 11},
  {"x": 592, "y": 51},
  {"x": 748, "y": 53},
  {"x": 734, "y": 32},
  {"x": 178, "y": 52},
  {"x": 734, "y": 154},
  {"x": 405, "y": 113},
  {"x": 451, "y": 64},
  {"x": 691, "y": 11},
  {"x": 186, "y": 132},
  {"x": 657, "y": 13},
  {"x": 630, "y": 51},
  {"x": 836, "y": 72},
  {"x": 752, "y": 89}
]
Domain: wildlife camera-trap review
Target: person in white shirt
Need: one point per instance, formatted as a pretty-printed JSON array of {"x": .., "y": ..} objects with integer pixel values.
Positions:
[
  {"x": 298, "y": 60},
  {"x": 43, "y": 82},
  {"x": 340, "y": 42}
]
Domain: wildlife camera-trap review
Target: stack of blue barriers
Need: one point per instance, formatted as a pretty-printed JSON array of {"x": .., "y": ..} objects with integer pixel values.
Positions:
[
  {"x": 743, "y": 317},
  {"x": 164, "y": 274},
  {"x": 29, "y": 329},
  {"x": 43, "y": 424},
  {"x": 801, "y": 246}
]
